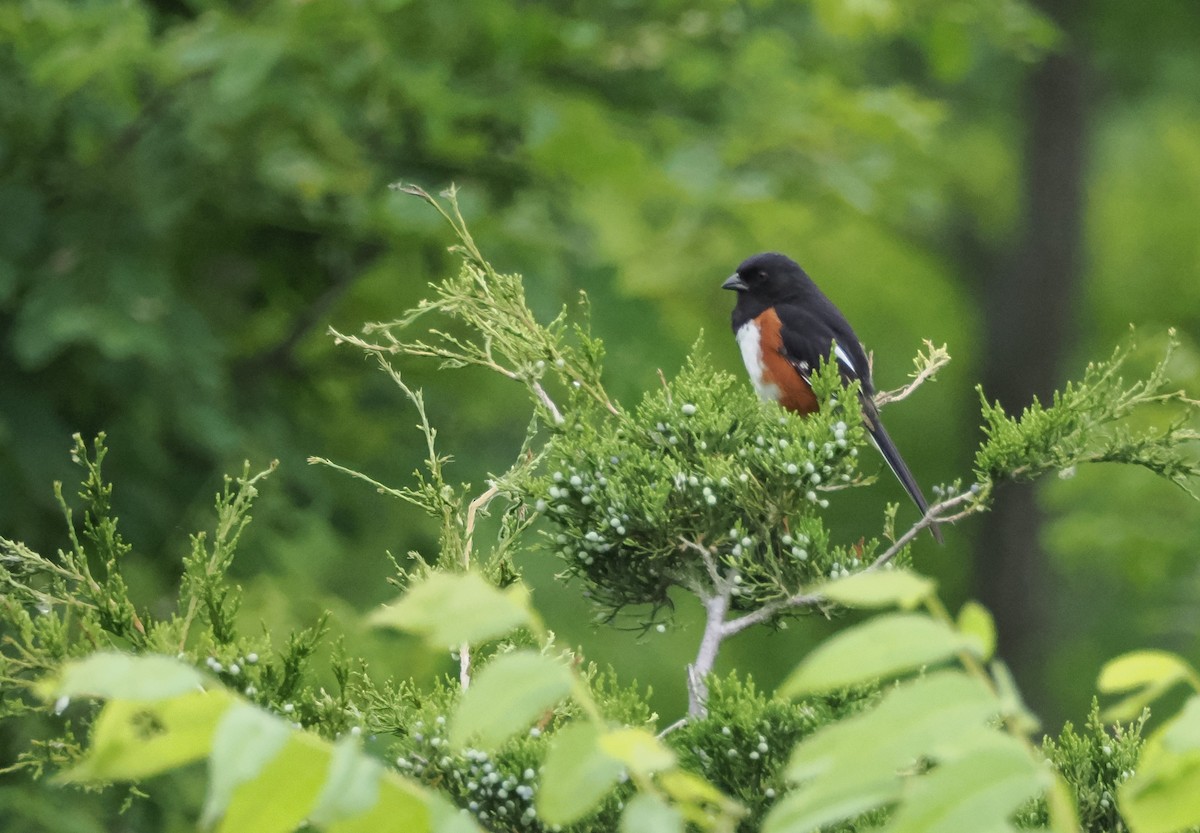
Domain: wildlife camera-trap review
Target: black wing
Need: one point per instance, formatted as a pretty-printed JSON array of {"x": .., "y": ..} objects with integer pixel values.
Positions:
[
  {"x": 814, "y": 330},
  {"x": 810, "y": 333}
]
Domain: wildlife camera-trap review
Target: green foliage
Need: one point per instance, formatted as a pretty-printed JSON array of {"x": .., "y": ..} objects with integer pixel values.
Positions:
[
  {"x": 700, "y": 488},
  {"x": 1094, "y": 762},
  {"x": 1163, "y": 795},
  {"x": 746, "y": 738},
  {"x": 66, "y": 607},
  {"x": 701, "y": 476},
  {"x": 945, "y": 751},
  {"x": 267, "y": 775},
  {"x": 1095, "y": 420}
]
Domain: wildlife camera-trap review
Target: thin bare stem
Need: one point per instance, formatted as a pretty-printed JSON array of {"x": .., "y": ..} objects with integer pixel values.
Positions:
[
  {"x": 473, "y": 508},
  {"x": 936, "y": 514},
  {"x": 545, "y": 399},
  {"x": 928, "y": 364}
]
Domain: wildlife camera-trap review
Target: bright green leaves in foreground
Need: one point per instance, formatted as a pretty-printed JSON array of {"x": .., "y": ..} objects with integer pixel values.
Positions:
[
  {"x": 265, "y": 775},
  {"x": 942, "y": 748},
  {"x": 587, "y": 758},
  {"x": 1163, "y": 795},
  {"x": 938, "y": 749},
  {"x": 449, "y": 609},
  {"x": 507, "y": 696}
]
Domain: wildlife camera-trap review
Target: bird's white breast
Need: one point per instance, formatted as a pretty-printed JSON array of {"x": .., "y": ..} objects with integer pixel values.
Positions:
[{"x": 750, "y": 343}]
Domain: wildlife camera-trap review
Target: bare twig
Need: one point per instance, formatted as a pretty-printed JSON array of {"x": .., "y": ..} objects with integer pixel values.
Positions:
[
  {"x": 678, "y": 724},
  {"x": 473, "y": 508},
  {"x": 545, "y": 399},
  {"x": 717, "y": 602},
  {"x": 936, "y": 514},
  {"x": 928, "y": 364}
]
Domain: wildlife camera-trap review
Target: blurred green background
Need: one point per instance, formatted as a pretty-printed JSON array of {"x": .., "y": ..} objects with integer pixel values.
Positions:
[{"x": 191, "y": 192}]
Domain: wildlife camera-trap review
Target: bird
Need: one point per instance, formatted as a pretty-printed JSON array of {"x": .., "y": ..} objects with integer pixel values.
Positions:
[{"x": 785, "y": 326}]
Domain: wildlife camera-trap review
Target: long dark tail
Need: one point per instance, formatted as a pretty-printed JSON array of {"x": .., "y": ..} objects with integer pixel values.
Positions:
[{"x": 896, "y": 463}]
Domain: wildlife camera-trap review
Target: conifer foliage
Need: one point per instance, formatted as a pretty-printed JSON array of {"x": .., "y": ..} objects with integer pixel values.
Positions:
[{"x": 906, "y": 721}]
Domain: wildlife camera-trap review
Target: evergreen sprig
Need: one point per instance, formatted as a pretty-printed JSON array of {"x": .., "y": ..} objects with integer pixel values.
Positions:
[
  {"x": 1097, "y": 420},
  {"x": 702, "y": 476}
]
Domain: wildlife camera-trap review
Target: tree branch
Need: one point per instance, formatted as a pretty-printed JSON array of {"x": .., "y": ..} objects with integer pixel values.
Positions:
[
  {"x": 928, "y": 364},
  {"x": 473, "y": 508},
  {"x": 936, "y": 514}
]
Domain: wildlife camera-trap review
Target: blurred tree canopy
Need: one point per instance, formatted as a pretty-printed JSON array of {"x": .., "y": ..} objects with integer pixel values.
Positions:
[{"x": 191, "y": 192}]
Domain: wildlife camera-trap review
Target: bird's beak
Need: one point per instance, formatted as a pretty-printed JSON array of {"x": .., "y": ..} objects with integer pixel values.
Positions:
[{"x": 735, "y": 281}]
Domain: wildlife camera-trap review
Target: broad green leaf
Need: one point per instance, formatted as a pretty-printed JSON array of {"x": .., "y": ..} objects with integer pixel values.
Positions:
[
  {"x": 360, "y": 796},
  {"x": 881, "y": 648},
  {"x": 879, "y": 588},
  {"x": 852, "y": 766},
  {"x": 1142, "y": 668},
  {"x": 1182, "y": 734},
  {"x": 1148, "y": 673},
  {"x": 116, "y": 676},
  {"x": 976, "y": 792},
  {"x": 1163, "y": 795},
  {"x": 1060, "y": 804},
  {"x": 923, "y": 717},
  {"x": 246, "y": 761},
  {"x": 646, "y": 813},
  {"x": 450, "y": 609},
  {"x": 1016, "y": 714},
  {"x": 444, "y": 816},
  {"x": 637, "y": 749},
  {"x": 279, "y": 796},
  {"x": 351, "y": 785},
  {"x": 694, "y": 797},
  {"x": 509, "y": 694},
  {"x": 688, "y": 788},
  {"x": 576, "y": 775},
  {"x": 798, "y": 812},
  {"x": 975, "y": 621},
  {"x": 132, "y": 740}
]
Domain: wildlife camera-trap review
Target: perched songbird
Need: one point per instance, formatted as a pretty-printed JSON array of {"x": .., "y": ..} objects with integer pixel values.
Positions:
[{"x": 785, "y": 326}]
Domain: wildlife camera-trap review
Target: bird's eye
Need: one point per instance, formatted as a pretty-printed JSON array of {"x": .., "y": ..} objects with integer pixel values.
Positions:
[{"x": 761, "y": 274}]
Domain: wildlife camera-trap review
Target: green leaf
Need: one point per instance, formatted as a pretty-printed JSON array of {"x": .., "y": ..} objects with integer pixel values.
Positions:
[
  {"x": 798, "y": 811},
  {"x": 1182, "y": 734},
  {"x": 360, "y": 796},
  {"x": 976, "y": 792},
  {"x": 646, "y": 813},
  {"x": 577, "y": 774},
  {"x": 1163, "y": 795},
  {"x": 1142, "y": 668},
  {"x": 351, "y": 786},
  {"x": 246, "y": 762},
  {"x": 637, "y": 749},
  {"x": 851, "y": 766},
  {"x": 1016, "y": 714},
  {"x": 509, "y": 694},
  {"x": 975, "y": 621},
  {"x": 879, "y": 588},
  {"x": 694, "y": 796},
  {"x": 116, "y": 676},
  {"x": 450, "y": 609},
  {"x": 880, "y": 648},
  {"x": 1149, "y": 674},
  {"x": 132, "y": 740},
  {"x": 1060, "y": 806}
]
